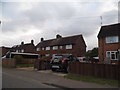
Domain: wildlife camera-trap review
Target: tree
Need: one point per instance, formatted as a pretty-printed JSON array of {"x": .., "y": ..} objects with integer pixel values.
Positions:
[{"x": 92, "y": 53}]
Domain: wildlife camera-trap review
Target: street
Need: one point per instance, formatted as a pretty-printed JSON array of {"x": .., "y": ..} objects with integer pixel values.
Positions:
[{"x": 16, "y": 78}]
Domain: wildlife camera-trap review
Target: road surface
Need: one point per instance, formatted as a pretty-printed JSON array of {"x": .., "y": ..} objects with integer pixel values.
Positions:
[{"x": 16, "y": 78}]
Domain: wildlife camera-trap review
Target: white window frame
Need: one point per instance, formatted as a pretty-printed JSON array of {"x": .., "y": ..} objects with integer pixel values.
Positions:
[
  {"x": 61, "y": 47},
  {"x": 22, "y": 50},
  {"x": 37, "y": 49},
  {"x": 47, "y": 48},
  {"x": 47, "y": 55},
  {"x": 17, "y": 51},
  {"x": 111, "y": 40},
  {"x": 43, "y": 48},
  {"x": 112, "y": 52},
  {"x": 69, "y": 46},
  {"x": 55, "y": 47}
]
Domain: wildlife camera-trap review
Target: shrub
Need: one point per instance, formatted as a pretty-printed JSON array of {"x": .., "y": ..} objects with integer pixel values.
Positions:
[{"x": 18, "y": 59}]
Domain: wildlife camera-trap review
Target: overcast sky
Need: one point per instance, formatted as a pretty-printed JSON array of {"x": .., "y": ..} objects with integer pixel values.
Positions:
[{"x": 23, "y": 21}]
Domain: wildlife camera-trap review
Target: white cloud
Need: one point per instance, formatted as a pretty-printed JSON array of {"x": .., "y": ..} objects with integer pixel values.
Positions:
[{"x": 26, "y": 21}]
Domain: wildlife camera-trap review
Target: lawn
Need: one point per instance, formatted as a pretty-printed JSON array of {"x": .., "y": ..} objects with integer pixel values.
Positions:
[{"x": 93, "y": 80}]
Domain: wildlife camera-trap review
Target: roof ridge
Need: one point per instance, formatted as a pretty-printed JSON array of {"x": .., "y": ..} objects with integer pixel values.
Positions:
[
  {"x": 64, "y": 37},
  {"x": 111, "y": 25}
]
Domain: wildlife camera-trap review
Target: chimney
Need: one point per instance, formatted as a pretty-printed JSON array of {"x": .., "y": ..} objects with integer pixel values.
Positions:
[
  {"x": 22, "y": 43},
  {"x": 58, "y": 36},
  {"x": 42, "y": 39},
  {"x": 32, "y": 41}
]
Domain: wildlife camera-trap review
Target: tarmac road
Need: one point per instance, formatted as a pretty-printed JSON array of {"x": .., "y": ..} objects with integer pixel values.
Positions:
[{"x": 16, "y": 78}]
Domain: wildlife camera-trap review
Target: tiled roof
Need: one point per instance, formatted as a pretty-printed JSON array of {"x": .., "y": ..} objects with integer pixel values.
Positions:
[
  {"x": 109, "y": 30},
  {"x": 60, "y": 41},
  {"x": 21, "y": 46}
]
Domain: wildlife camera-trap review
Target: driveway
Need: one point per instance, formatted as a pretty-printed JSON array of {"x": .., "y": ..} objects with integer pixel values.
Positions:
[{"x": 23, "y": 78}]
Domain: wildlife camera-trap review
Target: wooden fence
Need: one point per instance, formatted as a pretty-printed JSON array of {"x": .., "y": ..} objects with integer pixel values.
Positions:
[
  {"x": 27, "y": 61},
  {"x": 108, "y": 71},
  {"x": 8, "y": 63},
  {"x": 42, "y": 64},
  {"x": 12, "y": 62}
]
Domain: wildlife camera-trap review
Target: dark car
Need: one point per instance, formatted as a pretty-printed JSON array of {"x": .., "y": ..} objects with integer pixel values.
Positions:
[{"x": 60, "y": 62}]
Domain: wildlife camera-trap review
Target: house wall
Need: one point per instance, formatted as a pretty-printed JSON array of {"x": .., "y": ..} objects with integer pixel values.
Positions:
[
  {"x": 29, "y": 49},
  {"x": 103, "y": 47},
  {"x": 77, "y": 50},
  {"x": 3, "y": 51}
]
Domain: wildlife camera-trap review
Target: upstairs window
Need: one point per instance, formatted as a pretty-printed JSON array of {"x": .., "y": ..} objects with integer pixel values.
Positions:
[
  {"x": 112, "y": 39},
  {"x": 47, "y": 48},
  {"x": 43, "y": 48},
  {"x": 55, "y": 47},
  {"x": 113, "y": 55},
  {"x": 68, "y": 46},
  {"x": 38, "y": 49},
  {"x": 61, "y": 47}
]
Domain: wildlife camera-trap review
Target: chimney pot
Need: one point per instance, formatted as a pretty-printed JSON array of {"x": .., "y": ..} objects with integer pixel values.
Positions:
[
  {"x": 42, "y": 39},
  {"x": 22, "y": 43},
  {"x": 58, "y": 36},
  {"x": 32, "y": 41}
]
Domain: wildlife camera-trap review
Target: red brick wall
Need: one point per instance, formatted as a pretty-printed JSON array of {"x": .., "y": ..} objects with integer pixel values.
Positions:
[
  {"x": 30, "y": 49},
  {"x": 103, "y": 47},
  {"x": 78, "y": 50},
  {"x": 3, "y": 51}
]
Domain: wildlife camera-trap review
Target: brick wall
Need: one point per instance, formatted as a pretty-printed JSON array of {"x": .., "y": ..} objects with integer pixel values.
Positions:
[
  {"x": 3, "y": 50},
  {"x": 77, "y": 50},
  {"x": 103, "y": 47},
  {"x": 29, "y": 49}
]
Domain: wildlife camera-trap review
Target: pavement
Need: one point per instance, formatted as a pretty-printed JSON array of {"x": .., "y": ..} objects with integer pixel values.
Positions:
[{"x": 30, "y": 78}]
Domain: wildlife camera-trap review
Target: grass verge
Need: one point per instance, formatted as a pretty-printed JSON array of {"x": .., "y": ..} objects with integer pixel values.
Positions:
[
  {"x": 24, "y": 65},
  {"x": 93, "y": 80}
]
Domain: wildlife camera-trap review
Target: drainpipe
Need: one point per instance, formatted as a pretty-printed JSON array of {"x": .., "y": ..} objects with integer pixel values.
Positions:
[{"x": 118, "y": 56}]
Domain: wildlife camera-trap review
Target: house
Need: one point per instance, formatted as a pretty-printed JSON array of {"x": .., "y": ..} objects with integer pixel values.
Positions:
[
  {"x": 74, "y": 45},
  {"x": 24, "y": 48},
  {"x": 4, "y": 50},
  {"x": 109, "y": 43}
]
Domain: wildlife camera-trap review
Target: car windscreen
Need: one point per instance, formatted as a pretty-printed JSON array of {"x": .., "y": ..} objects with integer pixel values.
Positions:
[{"x": 57, "y": 57}]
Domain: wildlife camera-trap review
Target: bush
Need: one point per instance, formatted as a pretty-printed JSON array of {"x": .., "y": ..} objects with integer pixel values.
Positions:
[{"x": 18, "y": 59}]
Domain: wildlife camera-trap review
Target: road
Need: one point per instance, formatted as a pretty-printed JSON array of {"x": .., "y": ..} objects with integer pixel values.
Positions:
[{"x": 16, "y": 78}]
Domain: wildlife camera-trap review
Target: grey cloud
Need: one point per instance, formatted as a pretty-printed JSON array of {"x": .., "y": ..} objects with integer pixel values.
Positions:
[
  {"x": 63, "y": 18},
  {"x": 110, "y": 17}
]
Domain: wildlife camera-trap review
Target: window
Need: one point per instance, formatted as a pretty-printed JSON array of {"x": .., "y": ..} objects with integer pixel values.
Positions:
[
  {"x": 68, "y": 46},
  {"x": 61, "y": 47},
  {"x": 42, "y": 48},
  {"x": 55, "y": 47},
  {"x": 113, "y": 55},
  {"x": 47, "y": 48},
  {"x": 38, "y": 49},
  {"x": 17, "y": 51},
  {"x": 22, "y": 50},
  {"x": 112, "y": 39},
  {"x": 47, "y": 55}
]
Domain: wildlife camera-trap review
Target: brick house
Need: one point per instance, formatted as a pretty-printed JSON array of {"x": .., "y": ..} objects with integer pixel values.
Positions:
[
  {"x": 109, "y": 42},
  {"x": 74, "y": 45},
  {"x": 24, "y": 48},
  {"x": 4, "y": 50}
]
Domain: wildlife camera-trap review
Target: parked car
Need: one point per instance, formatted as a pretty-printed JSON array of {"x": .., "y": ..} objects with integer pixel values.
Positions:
[{"x": 60, "y": 62}]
